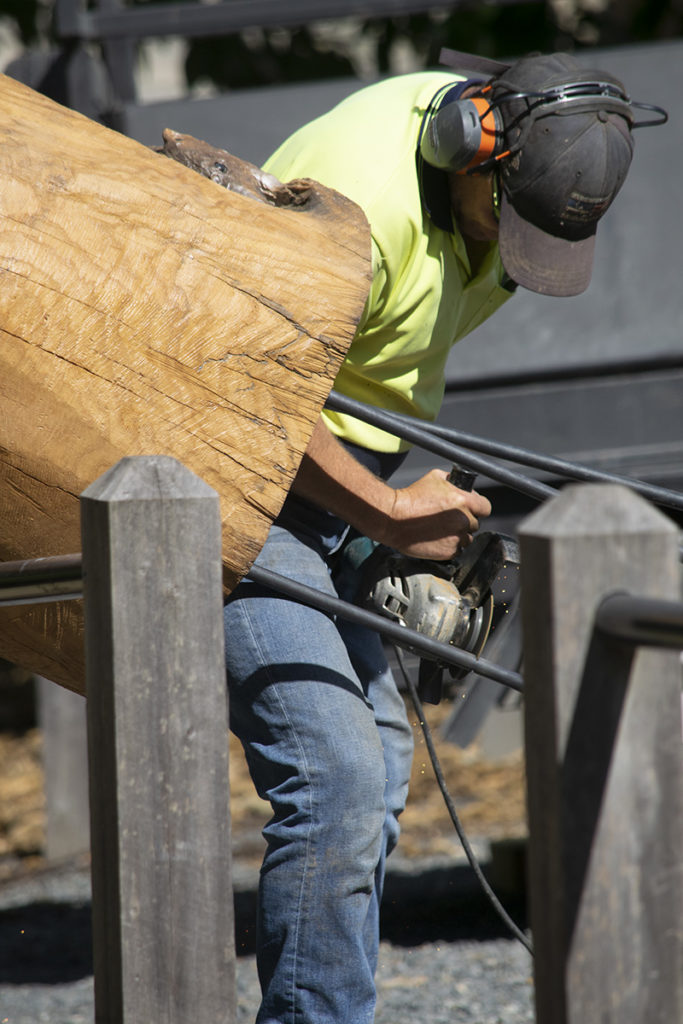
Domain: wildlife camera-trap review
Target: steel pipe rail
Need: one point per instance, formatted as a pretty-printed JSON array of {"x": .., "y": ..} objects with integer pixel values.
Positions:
[
  {"x": 191, "y": 20},
  {"x": 642, "y": 621},
  {"x": 662, "y": 496},
  {"x": 60, "y": 578},
  {"x": 441, "y": 441},
  {"x": 400, "y": 635},
  {"x": 420, "y": 431},
  {"x": 37, "y": 580},
  {"x": 415, "y": 432}
]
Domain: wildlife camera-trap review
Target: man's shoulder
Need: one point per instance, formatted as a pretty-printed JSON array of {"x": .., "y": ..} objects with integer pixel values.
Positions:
[
  {"x": 379, "y": 114},
  {"x": 366, "y": 143},
  {"x": 415, "y": 86}
]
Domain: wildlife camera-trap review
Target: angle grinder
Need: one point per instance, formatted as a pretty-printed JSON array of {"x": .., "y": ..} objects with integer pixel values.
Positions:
[{"x": 451, "y": 602}]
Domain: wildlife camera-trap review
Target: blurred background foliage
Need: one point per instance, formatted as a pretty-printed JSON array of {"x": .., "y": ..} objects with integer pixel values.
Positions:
[{"x": 368, "y": 47}]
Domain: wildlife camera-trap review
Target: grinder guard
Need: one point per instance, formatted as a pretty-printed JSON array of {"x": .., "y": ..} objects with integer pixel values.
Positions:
[{"x": 447, "y": 601}]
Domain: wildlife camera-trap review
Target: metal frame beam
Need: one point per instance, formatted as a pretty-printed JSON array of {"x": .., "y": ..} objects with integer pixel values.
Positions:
[{"x": 196, "y": 20}]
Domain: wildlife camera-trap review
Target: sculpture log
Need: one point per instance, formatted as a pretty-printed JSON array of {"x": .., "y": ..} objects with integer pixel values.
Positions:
[{"x": 146, "y": 310}]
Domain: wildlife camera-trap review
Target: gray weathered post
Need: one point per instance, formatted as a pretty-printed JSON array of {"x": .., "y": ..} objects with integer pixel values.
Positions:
[
  {"x": 62, "y": 717},
  {"x": 604, "y": 765},
  {"x": 163, "y": 933}
]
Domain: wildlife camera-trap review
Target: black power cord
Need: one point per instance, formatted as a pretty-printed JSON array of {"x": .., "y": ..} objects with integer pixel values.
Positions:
[{"x": 457, "y": 824}]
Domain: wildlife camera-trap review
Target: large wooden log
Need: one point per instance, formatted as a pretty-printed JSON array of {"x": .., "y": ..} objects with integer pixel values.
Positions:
[{"x": 146, "y": 310}]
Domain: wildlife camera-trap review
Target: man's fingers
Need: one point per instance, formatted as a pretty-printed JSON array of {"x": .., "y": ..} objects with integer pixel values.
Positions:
[{"x": 473, "y": 523}]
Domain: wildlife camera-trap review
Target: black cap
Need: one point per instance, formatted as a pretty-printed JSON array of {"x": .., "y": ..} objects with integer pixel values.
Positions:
[
  {"x": 571, "y": 164},
  {"x": 570, "y": 152}
]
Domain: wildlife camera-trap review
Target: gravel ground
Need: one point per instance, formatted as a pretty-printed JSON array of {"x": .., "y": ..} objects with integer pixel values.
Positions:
[{"x": 444, "y": 958}]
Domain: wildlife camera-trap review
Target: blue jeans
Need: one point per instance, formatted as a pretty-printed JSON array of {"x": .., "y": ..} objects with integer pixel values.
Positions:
[{"x": 328, "y": 744}]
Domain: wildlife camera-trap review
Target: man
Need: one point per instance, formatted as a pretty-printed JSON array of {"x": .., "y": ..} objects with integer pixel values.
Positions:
[{"x": 462, "y": 207}]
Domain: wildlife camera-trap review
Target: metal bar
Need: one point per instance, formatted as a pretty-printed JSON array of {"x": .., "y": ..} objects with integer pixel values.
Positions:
[
  {"x": 553, "y": 464},
  {"x": 642, "y": 621},
  {"x": 196, "y": 20},
  {"x": 399, "y": 634},
  {"x": 415, "y": 432},
  {"x": 22, "y": 589},
  {"x": 37, "y": 580},
  {"x": 512, "y": 453}
]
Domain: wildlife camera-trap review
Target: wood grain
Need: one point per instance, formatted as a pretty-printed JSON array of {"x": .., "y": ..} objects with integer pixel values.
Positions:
[{"x": 146, "y": 310}]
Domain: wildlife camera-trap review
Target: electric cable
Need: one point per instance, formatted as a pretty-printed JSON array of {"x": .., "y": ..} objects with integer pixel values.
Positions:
[{"x": 455, "y": 818}]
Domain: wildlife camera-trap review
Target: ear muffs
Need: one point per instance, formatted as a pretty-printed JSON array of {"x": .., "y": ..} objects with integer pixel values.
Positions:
[{"x": 462, "y": 134}]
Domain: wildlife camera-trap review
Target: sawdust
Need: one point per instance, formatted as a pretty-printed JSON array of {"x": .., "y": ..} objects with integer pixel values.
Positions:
[
  {"x": 489, "y": 796},
  {"x": 22, "y": 800}
]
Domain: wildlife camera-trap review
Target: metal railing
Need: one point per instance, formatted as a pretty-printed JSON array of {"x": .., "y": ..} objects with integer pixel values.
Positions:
[
  {"x": 112, "y": 21},
  {"x": 60, "y": 578},
  {"x": 458, "y": 446},
  {"x": 602, "y": 732}
]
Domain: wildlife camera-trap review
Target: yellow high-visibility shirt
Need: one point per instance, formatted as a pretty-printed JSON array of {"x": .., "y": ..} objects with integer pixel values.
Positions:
[{"x": 424, "y": 296}]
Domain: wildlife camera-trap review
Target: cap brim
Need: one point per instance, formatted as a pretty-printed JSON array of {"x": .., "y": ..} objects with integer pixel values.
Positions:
[{"x": 541, "y": 262}]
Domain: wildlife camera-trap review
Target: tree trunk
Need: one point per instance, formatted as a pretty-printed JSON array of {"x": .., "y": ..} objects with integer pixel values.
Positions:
[{"x": 146, "y": 310}]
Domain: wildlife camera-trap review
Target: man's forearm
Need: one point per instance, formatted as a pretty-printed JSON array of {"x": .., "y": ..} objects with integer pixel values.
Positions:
[
  {"x": 428, "y": 519},
  {"x": 329, "y": 476}
]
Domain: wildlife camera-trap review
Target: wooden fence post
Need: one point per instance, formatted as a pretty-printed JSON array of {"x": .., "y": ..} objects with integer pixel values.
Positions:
[
  {"x": 163, "y": 932},
  {"x": 604, "y": 765},
  {"x": 62, "y": 718}
]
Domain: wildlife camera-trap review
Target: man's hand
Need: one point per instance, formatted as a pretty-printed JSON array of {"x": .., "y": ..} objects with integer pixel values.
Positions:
[
  {"x": 433, "y": 519},
  {"x": 429, "y": 519}
]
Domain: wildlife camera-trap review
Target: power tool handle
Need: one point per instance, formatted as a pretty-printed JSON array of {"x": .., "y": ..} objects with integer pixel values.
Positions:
[{"x": 461, "y": 478}]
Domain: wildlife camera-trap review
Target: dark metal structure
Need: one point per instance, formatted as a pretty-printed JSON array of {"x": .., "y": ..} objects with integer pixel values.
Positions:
[{"x": 116, "y": 26}]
